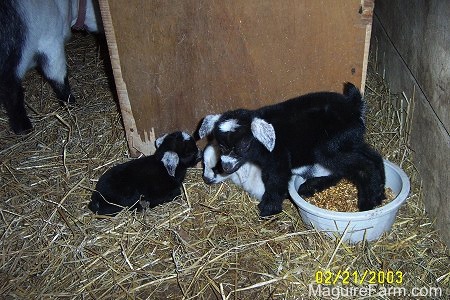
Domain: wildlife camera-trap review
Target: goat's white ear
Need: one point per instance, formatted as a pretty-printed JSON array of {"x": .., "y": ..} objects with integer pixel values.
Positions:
[
  {"x": 159, "y": 140},
  {"x": 264, "y": 132},
  {"x": 207, "y": 125},
  {"x": 170, "y": 161}
]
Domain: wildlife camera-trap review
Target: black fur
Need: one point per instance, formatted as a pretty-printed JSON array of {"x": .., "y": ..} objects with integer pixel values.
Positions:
[
  {"x": 320, "y": 128},
  {"x": 144, "y": 179},
  {"x": 12, "y": 38}
]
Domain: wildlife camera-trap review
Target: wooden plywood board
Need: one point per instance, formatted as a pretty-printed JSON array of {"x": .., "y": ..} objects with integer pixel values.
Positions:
[
  {"x": 421, "y": 73},
  {"x": 177, "y": 61}
]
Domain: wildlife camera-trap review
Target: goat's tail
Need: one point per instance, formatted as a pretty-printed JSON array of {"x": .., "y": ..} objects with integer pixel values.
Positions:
[{"x": 354, "y": 96}]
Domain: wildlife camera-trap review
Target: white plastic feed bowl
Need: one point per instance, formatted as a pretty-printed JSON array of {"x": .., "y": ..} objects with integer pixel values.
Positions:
[{"x": 353, "y": 227}]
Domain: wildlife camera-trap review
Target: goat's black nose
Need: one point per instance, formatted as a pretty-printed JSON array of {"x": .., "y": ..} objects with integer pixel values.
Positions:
[{"x": 208, "y": 180}]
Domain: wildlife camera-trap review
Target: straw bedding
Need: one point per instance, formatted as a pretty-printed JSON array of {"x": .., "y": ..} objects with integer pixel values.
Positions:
[{"x": 207, "y": 244}]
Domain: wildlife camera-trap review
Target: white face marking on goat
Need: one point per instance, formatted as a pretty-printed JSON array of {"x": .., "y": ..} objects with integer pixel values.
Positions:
[
  {"x": 170, "y": 161},
  {"x": 249, "y": 177},
  {"x": 210, "y": 160},
  {"x": 186, "y": 136},
  {"x": 228, "y": 162},
  {"x": 229, "y": 125}
]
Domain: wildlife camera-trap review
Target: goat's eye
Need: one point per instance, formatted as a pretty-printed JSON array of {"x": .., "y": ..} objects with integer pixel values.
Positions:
[{"x": 243, "y": 147}]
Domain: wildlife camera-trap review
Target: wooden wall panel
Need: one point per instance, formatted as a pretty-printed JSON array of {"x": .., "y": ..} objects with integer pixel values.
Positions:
[
  {"x": 181, "y": 60},
  {"x": 411, "y": 44}
]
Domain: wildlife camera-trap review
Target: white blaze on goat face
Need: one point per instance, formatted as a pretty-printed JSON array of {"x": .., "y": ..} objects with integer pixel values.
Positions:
[
  {"x": 210, "y": 160},
  {"x": 229, "y": 125},
  {"x": 229, "y": 162}
]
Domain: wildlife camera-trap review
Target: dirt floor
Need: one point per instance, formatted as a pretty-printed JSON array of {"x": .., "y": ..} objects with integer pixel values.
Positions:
[{"x": 207, "y": 244}]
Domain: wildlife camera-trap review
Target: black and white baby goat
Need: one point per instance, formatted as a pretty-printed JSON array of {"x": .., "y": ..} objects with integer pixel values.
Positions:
[
  {"x": 33, "y": 33},
  {"x": 155, "y": 179},
  {"x": 248, "y": 176},
  {"x": 319, "y": 136}
]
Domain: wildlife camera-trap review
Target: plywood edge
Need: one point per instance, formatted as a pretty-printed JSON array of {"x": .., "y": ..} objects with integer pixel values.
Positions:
[
  {"x": 136, "y": 145},
  {"x": 367, "y": 7}
]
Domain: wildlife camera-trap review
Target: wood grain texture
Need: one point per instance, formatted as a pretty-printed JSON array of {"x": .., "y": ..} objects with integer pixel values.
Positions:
[
  {"x": 136, "y": 143},
  {"x": 182, "y": 60},
  {"x": 421, "y": 71}
]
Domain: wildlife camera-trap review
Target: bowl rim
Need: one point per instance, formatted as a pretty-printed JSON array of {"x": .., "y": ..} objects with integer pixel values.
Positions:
[{"x": 359, "y": 215}]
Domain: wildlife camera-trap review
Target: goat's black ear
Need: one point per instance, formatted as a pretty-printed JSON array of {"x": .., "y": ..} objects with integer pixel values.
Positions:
[
  {"x": 170, "y": 161},
  {"x": 160, "y": 140},
  {"x": 264, "y": 132},
  {"x": 207, "y": 125}
]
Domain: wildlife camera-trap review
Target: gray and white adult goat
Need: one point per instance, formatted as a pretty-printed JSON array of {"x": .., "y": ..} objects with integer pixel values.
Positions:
[{"x": 33, "y": 34}]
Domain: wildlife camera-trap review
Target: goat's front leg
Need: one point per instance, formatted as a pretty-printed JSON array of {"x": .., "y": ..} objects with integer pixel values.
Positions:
[{"x": 275, "y": 184}]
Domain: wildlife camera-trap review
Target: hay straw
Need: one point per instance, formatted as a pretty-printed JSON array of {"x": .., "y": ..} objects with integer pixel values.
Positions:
[{"x": 207, "y": 244}]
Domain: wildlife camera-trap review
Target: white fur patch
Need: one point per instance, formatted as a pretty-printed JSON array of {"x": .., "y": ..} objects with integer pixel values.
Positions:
[
  {"x": 301, "y": 171},
  {"x": 228, "y": 162},
  {"x": 320, "y": 171},
  {"x": 229, "y": 125},
  {"x": 170, "y": 161},
  {"x": 210, "y": 160},
  {"x": 309, "y": 171},
  {"x": 186, "y": 136},
  {"x": 160, "y": 140},
  {"x": 248, "y": 176},
  {"x": 264, "y": 132},
  {"x": 207, "y": 125},
  {"x": 210, "y": 157},
  {"x": 48, "y": 24}
]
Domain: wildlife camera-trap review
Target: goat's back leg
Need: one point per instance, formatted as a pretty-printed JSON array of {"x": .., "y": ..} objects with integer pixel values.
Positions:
[
  {"x": 12, "y": 95},
  {"x": 317, "y": 184},
  {"x": 370, "y": 179},
  {"x": 172, "y": 194},
  {"x": 53, "y": 66},
  {"x": 364, "y": 167}
]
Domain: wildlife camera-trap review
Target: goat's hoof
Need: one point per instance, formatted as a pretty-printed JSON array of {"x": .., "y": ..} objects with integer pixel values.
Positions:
[
  {"x": 366, "y": 205},
  {"x": 69, "y": 100},
  {"x": 266, "y": 210},
  {"x": 22, "y": 127},
  {"x": 306, "y": 191}
]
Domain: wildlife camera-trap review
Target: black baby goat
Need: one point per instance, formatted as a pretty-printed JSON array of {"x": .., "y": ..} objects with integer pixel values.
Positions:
[
  {"x": 154, "y": 179},
  {"x": 319, "y": 136}
]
